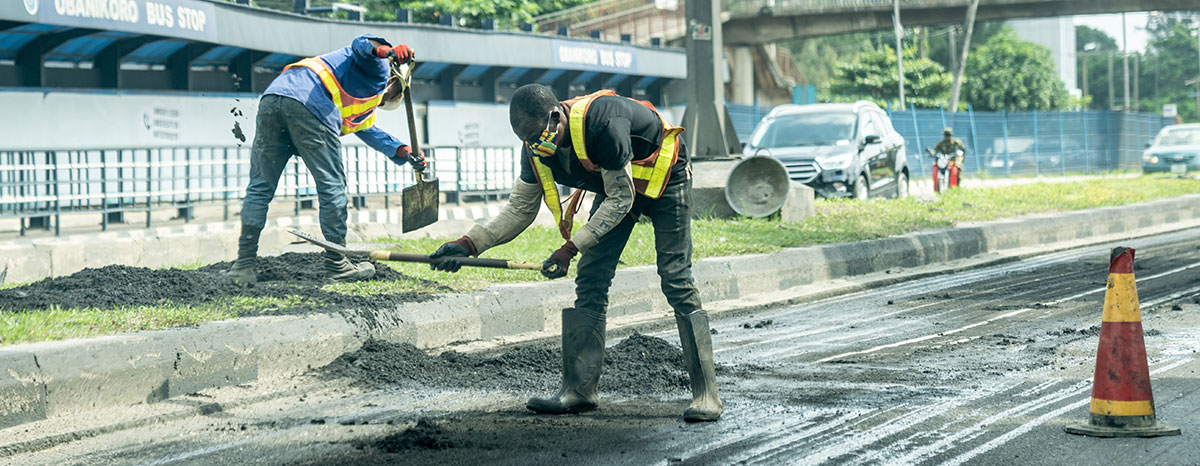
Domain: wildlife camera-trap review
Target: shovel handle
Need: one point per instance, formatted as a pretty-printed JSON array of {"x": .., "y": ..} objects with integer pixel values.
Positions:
[{"x": 467, "y": 261}]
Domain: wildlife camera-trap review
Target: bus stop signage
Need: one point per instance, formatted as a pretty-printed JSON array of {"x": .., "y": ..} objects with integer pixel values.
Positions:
[{"x": 187, "y": 19}]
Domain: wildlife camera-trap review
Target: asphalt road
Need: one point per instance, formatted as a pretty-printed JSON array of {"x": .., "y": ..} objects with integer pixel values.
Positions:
[{"x": 983, "y": 366}]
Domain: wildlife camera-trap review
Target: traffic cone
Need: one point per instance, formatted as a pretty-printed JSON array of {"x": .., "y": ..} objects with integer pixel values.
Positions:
[{"x": 1122, "y": 403}]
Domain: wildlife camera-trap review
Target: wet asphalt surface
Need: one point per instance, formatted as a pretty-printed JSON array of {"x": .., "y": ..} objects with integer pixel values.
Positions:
[{"x": 983, "y": 366}]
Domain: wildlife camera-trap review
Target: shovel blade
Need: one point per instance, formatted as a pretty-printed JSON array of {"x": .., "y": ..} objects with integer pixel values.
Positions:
[
  {"x": 327, "y": 245},
  {"x": 419, "y": 205}
]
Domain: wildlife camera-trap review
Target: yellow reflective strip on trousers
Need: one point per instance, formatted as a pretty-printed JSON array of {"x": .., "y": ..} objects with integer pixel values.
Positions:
[
  {"x": 576, "y": 122},
  {"x": 550, "y": 192},
  {"x": 1122, "y": 408},
  {"x": 1120, "y": 299}
]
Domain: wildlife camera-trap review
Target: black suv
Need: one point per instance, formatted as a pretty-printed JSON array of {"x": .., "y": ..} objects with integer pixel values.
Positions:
[{"x": 840, "y": 150}]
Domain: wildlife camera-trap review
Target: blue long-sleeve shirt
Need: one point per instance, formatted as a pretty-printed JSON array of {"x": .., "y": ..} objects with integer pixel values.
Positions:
[{"x": 361, "y": 75}]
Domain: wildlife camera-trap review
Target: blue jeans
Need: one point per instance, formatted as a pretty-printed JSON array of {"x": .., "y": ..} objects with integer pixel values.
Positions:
[{"x": 285, "y": 127}]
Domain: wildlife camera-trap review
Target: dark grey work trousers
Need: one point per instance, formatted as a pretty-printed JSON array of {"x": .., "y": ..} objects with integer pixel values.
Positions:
[
  {"x": 285, "y": 127},
  {"x": 671, "y": 217}
]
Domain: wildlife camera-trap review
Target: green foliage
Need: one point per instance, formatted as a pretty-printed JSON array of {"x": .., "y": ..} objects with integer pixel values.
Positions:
[
  {"x": 872, "y": 76},
  {"x": 1090, "y": 39},
  {"x": 1095, "y": 45},
  {"x": 1008, "y": 73},
  {"x": 1171, "y": 60},
  {"x": 507, "y": 13}
]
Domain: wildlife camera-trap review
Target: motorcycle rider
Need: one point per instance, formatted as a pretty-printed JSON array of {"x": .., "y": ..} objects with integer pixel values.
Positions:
[{"x": 949, "y": 145}]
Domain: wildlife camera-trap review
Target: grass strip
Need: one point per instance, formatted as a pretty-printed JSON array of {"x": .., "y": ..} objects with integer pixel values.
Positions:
[
  {"x": 836, "y": 221},
  {"x": 61, "y": 324}
]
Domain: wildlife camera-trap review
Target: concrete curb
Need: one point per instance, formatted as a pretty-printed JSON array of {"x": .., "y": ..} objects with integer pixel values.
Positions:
[{"x": 51, "y": 379}]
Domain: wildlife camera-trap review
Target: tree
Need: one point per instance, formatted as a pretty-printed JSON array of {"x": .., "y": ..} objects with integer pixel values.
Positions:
[
  {"x": 1007, "y": 73},
  {"x": 1170, "y": 61},
  {"x": 872, "y": 76},
  {"x": 820, "y": 56},
  {"x": 1093, "y": 47}
]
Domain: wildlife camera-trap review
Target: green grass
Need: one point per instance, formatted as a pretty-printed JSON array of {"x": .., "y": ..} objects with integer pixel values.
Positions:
[
  {"x": 60, "y": 324},
  {"x": 835, "y": 221}
]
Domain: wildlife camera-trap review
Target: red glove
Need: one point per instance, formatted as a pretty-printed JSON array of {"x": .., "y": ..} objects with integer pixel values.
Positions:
[
  {"x": 416, "y": 160},
  {"x": 402, "y": 53},
  {"x": 558, "y": 263}
]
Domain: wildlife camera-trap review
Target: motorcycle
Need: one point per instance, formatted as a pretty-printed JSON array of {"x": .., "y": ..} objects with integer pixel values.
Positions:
[{"x": 945, "y": 171}]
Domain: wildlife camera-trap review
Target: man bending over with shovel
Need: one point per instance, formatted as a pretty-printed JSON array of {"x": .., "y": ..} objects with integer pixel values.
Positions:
[
  {"x": 303, "y": 112},
  {"x": 625, "y": 152}
]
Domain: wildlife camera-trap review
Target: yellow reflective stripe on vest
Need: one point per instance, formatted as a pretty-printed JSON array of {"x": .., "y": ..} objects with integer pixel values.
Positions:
[
  {"x": 578, "y": 112},
  {"x": 549, "y": 190},
  {"x": 654, "y": 171},
  {"x": 353, "y": 108},
  {"x": 656, "y": 175}
]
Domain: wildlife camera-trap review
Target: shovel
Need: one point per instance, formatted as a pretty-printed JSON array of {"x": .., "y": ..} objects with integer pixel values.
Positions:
[
  {"x": 410, "y": 257},
  {"x": 419, "y": 202}
]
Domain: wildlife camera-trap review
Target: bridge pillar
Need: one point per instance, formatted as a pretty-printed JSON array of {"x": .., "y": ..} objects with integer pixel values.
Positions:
[
  {"x": 741, "y": 79},
  {"x": 709, "y": 131}
]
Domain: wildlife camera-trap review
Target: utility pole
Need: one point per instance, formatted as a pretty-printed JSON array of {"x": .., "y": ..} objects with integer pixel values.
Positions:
[
  {"x": 1125, "y": 61},
  {"x": 1137, "y": 96},
  {"x": 953, "y": 50},
  {"x": 1112, "y": 98},
  {"x": 1198, "y": 71},
  {"x": 962, "y": 64},
  {"x": 706, "y": 118},
  {"x": 899, "y": 49},
  {"x": 1086, "y": 89}
]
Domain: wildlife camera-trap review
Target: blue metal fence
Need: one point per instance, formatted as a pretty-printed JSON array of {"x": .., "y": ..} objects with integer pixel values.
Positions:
[{"x": 1005, "y": 144}]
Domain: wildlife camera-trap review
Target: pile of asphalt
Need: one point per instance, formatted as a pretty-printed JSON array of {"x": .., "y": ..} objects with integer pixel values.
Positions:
[
  {"x": 637, "y": 365},
  {"x": 426, "y": 434},
  {"x": 291, "y": 274}
]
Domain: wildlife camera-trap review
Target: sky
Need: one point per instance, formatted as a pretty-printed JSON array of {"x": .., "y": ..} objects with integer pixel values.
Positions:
[{"x": 1135, "y": 27}]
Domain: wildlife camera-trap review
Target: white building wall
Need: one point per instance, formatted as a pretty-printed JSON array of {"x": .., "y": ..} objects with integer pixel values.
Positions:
[{"x": 1058, "y": 35}]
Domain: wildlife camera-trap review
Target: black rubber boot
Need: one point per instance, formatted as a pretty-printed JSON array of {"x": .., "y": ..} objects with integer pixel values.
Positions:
[
  {"x": 341, "y": 269},
  {"x": 583, "y": 358},
  {"x": 244, "y": 271},
  {"x": 696, "y": 341}
]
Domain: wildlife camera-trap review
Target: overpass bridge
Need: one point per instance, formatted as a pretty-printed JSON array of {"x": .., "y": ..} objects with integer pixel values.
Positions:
[
  {"x": 764, "y": 21},
  {"x": 750, "y": 22}
]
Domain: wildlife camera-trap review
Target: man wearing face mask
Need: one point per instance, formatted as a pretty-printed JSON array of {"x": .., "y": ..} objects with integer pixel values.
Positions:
[
  {"x": 625, "y": 152},
  {"x": 304, "y": 112}
]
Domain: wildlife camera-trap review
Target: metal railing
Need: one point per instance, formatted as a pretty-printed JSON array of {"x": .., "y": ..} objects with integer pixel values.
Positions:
[
  {"x": 641, "y": 19},
  {"x": 39, "y": 187}
]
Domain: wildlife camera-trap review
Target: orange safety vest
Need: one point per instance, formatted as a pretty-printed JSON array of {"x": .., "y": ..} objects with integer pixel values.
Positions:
[
  {"x": 357, "y": 113},
  {"x": 650, "y": 174}
]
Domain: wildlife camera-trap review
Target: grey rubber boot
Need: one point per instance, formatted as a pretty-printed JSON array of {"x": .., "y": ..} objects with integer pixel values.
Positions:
[
  {"x": 696, "y": 341},
  {"x": 341, "y": 269},
  {"x": 583, "y": 358},
  {"x": 243, "y": 271}
]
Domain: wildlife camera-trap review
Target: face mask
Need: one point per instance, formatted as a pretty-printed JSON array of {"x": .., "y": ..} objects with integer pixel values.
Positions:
[{"x": 547, "y": 143}]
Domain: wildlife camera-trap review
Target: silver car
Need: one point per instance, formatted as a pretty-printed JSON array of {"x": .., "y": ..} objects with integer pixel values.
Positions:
[{"x": 840, "y": 150}]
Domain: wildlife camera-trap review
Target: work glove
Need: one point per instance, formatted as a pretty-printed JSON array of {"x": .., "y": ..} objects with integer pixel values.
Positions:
[
  {"x": 401, "y": 53},
  {"x": 558, "y": 263},
  {"x": 416, "y": 160},
  {"x": 452, "y": 250}
]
